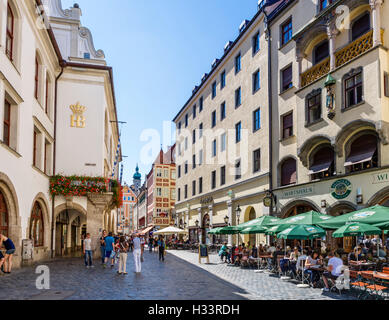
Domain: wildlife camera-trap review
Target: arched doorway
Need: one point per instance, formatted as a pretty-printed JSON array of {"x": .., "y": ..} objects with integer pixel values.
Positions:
[
  {"x": 76, "y": 224},
  {"x": 249, "y": 215},
  {"x": 205, "y": 229},
  {"x": 3, "y": 216},
  {"x": 347, "y": 243},
  {"x": 61, "y": 232}
]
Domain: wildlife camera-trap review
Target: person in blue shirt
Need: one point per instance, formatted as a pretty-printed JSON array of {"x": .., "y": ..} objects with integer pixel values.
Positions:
[
  {"x": 10, "y": 250},
  {"x": 109, "y": 242},
  {"x": 161, "y": 245}
]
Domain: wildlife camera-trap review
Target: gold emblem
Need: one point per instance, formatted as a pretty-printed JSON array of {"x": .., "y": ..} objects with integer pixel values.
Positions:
[{"x": 77, "y": 119}]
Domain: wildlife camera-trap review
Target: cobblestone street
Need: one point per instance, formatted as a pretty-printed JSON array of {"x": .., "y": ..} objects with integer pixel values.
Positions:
[{"x": 178, "y": 278}]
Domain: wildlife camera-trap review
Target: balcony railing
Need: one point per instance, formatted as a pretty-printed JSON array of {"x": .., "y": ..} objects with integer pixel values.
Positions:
[
  {"x": 351, "y": 51},
  {"x": 315, "y": 72}
]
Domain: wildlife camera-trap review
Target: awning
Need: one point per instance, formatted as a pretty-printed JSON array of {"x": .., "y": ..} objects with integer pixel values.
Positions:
[
  {"x": 145, "y": 231},
  {"x": 361, "y": 156},
  {"x": 321, "y": 167}
]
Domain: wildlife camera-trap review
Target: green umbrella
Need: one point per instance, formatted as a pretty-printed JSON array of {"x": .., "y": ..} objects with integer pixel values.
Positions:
[
  {"x": 311, "y": 218},
  {"x": 260, "y": 222},
  {"x": 229, "y": 230},
  {"x": 254, "y": 230},
  {"x": 302, "y": 232},
  {"x": 377, "y": 216},
  {"x": 356, "y": 229},
  {"x": 272, "y": 231},
  {"x": 214, "y": 231}
]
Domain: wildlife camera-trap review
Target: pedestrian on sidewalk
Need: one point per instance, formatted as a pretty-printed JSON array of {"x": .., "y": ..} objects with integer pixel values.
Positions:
[
  {"x": 102, "y": 246},
  {"x": 123, "y": 251},
  {"x": 150, "y": 244},
  {"x": 10, "y": 250},
  {"x": 88, "y": 251},
  {"x": 137, "y": 254},
  {"x": 161, "y": 246},
  {"x": 109, "y": 242}
]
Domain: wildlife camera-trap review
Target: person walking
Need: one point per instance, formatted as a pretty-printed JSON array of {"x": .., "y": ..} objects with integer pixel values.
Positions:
[
  {"x": 123, "y": 251},
  {"x": 88, "y": 251},
  {"x": 137, "y": 253},
  {"x": 10, "y": 250},
  {"x": 109, "y": 242},
  {"x": 150, "y": 244},
  {"x": 102, "y": 246},
  {"x": 161, "y": 246}
]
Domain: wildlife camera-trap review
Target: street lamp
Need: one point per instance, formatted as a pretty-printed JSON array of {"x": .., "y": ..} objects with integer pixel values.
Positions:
[
  {"x": 238, "y": 212},
  {"x": 226, "y": 220}
]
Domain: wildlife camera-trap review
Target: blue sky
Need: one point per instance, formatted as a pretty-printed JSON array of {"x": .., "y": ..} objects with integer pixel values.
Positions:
[{"x": 159, "y": 51}]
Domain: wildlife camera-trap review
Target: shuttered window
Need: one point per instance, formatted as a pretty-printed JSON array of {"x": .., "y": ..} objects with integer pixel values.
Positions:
[
  {"x": 322, "y": 165},
  {"x": 288, "y": 172},
  {"x": 363, "y": 154},
  {"x": 287, "y": 126}
]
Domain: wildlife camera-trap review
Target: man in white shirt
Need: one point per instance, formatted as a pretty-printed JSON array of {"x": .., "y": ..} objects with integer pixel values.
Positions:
[
  {"x": 335, "y": 265},
  {"x": 137, "y": 253}
]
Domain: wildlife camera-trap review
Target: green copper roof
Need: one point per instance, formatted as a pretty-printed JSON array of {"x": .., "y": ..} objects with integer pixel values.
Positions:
[
  {"x": 329, "y": 81},
  {"x": 137, "y": 175}
]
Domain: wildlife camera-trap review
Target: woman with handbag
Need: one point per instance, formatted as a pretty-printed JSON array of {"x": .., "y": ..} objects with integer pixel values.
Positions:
[{"x": 122, "y": 250}]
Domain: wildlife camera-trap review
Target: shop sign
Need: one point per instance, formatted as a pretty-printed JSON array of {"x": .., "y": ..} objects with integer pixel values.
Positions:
[
  {"x": 341, "y": 189},
  {"x": 267, "y": 201},
  {"x": 381, "y": 178},
  {"x": 298, "y": 192}
]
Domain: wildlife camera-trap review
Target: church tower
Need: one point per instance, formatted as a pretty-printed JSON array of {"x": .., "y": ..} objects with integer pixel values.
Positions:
[{"x": 137, "y": 181}]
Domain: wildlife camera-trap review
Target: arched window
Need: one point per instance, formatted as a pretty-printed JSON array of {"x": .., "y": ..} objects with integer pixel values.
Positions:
[
  {"x": 360, "y": 26},
  {"x": 321, "y": 52},
  {"x": 3, "y": 216},
  {"x": 322, "y": 163},
  {"x": 36, "y": 225},
  {"x": 288, "y": 172},
  {"x": 363, "y": 153},
  {"x": 10, "y": 33}
]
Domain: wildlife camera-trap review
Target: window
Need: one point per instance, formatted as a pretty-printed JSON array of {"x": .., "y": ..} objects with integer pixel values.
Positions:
[
  {"x": 288, "y": 172},
  {"x": 36, "y": 225},
  {"x": 173, "y": 174},
  {"x": 201, "y": 101},
  {"x": 256, "y": 43},
  {"x": 214, "y": 90},
  {"x": 173, "y": 194},
  {"x": 34, "y": 157},
  {"x": 353, "y": 89},
  {"x": 324, "y": 4},
  {"x": 222, "y": 111},
  {"x": 36, "y": 89},
  {"x": 238, "y": 172},
  {"x": 179, "y": 171},
  {"x": 362, "y": 154},
  {"x": 238, "y": 129},
  {"x": 186, "y": 120},
  {"x": 214, "y": 148},
  {"x": 238, "y": 97},
  {"x": 386, "y": 84},
  {"x": 238, "y": 66},
  {"x": 313, "y": 107},
  {"x": 200, "y": 130},
  {"x": 179, "y": 194},
  {"x": 200, "y": 157},
  {"x": 194, "y": 111},
  {"x": 159, "y": 173},
  {"x": 321, "y": 52},
  {"x": 159, "y": 192},
  {"x": 360, "y": 26},
  {"x": 257, "y": 120},
  {"x": 10, "y": 33},
  {"x": 322, "y": 163},
  {"x": 222, "y": 80},
  {"x": 186, "y": 143},
  {"x": 193, "y": 188},
  {"x": 257, "y": 160},
  {"x": 186, "y": 191},
  {"x": 47, "y": 94},
  {"x": 46, "y": 157},
  {"x": 222, "y": 175},
  {"x": 213, "y": 119},
  {"x": 200, "y": 185},
  {"x": 256, "y": 81},
  {"x": 186, "y": 167},
  {"x": 194, "y": 136},
  {"x": 286, "y": 32},
  {"x": 194, "y": 161},
  {"x": 7, "y": 123},
  {"x": 213, "y": 179},
  {"x": 287, "y": 125},
  {"x": 286, "y": 78},
  {"x": 179, "y": 127},
  {"x": 223, "y": 142}
]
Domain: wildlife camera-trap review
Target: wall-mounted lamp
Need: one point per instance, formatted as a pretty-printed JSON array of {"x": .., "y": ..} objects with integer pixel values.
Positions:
[{"x": 359, "y": 196}]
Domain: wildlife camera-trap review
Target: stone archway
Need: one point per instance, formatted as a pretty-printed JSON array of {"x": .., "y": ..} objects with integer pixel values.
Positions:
[
  {"x": 249, "y": 215},
  {"x": 296, "y": 207}
]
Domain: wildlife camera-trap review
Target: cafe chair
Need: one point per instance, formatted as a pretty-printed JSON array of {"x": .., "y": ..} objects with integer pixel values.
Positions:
[{"x": 374, "y": 289}]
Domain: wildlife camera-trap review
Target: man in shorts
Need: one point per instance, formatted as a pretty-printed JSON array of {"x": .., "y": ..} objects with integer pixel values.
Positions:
[
  {"x": 109, "y": 242},
  {"x": 335, "y": 265}
]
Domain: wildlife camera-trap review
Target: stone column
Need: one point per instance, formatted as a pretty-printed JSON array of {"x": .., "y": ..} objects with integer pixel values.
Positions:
[
  {"x": 229, "y": 205},
  {"x": 376, "y": 15},
  {"x": 97, "y": 203},
  {"x": 210, "y": 208},
  {"x": 200, "y": 218},
  {"x": 332, "y": 33}
]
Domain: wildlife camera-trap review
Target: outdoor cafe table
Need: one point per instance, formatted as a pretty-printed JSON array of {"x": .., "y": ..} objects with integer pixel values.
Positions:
[
  {"x": 378, "y": 275},
  {"x": 264, "y": 260},
  {"x": 359, "y": 265}
]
